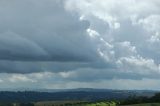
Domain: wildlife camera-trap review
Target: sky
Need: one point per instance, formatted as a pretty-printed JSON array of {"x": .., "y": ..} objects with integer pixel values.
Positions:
[{"x": 64, "y": 44}]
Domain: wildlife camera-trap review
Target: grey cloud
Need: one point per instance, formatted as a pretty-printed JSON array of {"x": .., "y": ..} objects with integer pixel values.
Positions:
[
  {"x": 7, "y": 66},
  {"x": 80, "y": 42},
  {"x": 87, "y": 43},
  {"x": 42, "y": 31}
]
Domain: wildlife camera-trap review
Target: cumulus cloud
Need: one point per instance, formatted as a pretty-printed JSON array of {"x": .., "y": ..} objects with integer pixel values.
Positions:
[{"x": 130, "y": 26}]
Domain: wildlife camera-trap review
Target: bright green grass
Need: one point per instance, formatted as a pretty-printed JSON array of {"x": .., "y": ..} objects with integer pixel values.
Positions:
[{"x": 101, "y": 104}]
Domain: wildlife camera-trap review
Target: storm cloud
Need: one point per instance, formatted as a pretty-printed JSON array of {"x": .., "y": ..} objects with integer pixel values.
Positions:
[
  {"x": 34, "y": 33},
  {"x": 79, "y": 42}
]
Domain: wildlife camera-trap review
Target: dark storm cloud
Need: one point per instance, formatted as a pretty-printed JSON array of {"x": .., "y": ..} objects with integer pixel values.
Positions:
[
  {"x": 85, "y": 43},
  {"x": 70, "y": 36},
  {"x": 42, "y": 31},
  {"x": 41, "y": 36}
]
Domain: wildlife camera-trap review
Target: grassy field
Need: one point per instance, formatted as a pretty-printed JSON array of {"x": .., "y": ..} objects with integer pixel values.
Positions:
[
  {"x": 77, "y": 103},
  {"x": 56, "y": 103},
  {"x": 74, "y": 103},
  {"x": 101, "y": 104},
  {"x": 146, "y": 104}
]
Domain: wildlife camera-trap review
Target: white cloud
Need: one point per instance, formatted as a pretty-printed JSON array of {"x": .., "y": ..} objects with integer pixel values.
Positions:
[
  {"x": 137, "y": 23},
  {"x": 139, "y": 65},
  {"x": 1, "y": 80},
  {"x": 20, "y": 78}
]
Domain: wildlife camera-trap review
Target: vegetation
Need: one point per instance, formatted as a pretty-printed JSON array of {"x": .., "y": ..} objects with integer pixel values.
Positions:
[
  {"x": 69, "y": 95},
  {"x": 32, "y": 98},
  {"x": 67, "y": 103},
  {"x": 76, "y": 104},
  {"x": 145, "y": 104},
  {"x": 17, "y": 104},
  {"x": 100, "y": 104},
  {"x": 141, "y": 100}
]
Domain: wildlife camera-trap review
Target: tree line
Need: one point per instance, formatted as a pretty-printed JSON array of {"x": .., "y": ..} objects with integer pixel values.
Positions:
[{"x": 141, "y": 99}]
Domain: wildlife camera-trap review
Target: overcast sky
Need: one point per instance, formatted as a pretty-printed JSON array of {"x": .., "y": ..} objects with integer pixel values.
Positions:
[{"x": 80, "y": 44}]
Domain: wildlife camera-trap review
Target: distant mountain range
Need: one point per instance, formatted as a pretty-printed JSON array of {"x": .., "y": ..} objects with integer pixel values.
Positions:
[{"x": 84, "y": 94}]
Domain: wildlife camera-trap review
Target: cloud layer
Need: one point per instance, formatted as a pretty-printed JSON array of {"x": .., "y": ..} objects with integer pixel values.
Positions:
[
  {"x": 129, "y": 27},
  {"x": 79, "y": 42},
  {"x": 43, "y": 34}
]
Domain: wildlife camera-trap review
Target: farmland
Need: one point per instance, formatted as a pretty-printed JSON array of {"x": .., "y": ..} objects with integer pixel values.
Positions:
[
  {"x": 72, "y": 103},
  {"x": 61, "y": 103},
  {"x": 75, "y": 103}
]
